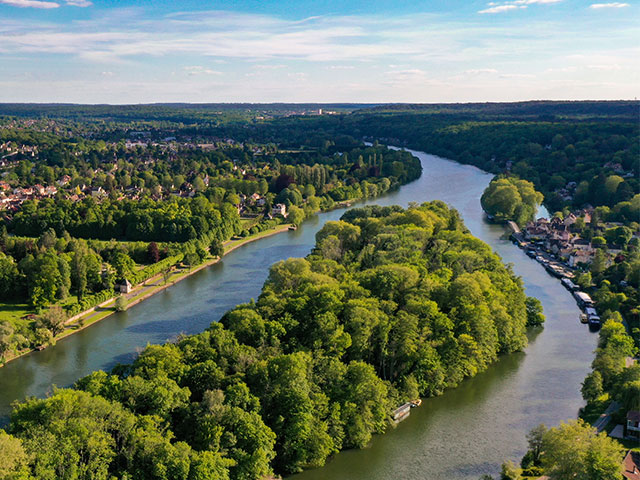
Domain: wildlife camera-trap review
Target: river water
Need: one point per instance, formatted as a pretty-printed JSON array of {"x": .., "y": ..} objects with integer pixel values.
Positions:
[{"x": 464, "y": 433}]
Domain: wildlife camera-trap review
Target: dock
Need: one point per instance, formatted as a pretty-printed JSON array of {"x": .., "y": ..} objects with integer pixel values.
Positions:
[{"x": 514, "y": 227}]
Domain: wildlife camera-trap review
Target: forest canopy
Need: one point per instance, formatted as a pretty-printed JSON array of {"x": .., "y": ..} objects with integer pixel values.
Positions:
[
  {"x": 391, "y": 305},
  {"x": 510, "y": 198}
]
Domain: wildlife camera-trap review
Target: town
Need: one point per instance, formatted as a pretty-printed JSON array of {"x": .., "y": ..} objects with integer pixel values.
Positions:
[{"x": 561, "y": 246}]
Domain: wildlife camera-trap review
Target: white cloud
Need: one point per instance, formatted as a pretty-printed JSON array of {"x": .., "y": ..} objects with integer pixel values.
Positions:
[
  {"x": 30, "y": 4},
  {"x": 501, "y": 8},
  {"x": 517, "y": 75},
  {"x": 605, "y": 68},
  {"x": 107, "y": 74},
  {"x": 335, "y": 58},
  {"x": 200, "y": 70},
  {"x": 534, "y": 2},
  {"x": 481, "y": 71},
  {"x": 608, "y": 5},
  {"x": 79, "y": 3},
  {"x": 269, "y": 67},
  {"x": 515, "y": 4}
]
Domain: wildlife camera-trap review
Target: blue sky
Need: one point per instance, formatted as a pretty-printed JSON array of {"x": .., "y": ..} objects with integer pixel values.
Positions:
[{"x": 125, "y": 51}]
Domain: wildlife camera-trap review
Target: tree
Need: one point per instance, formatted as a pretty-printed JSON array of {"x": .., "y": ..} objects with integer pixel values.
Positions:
[
  {"x": 535, "y": 439},
  {"x": 121, "y": 303},
  {"x": 592, "y": 387},
  {"x": 47, "y": 239},
  {"x": 9, "y": 276},
  {"x": 123, "y": 265},
  {"x": 6, "y": 338},
  {"x": 630, "y": 395},
  {"x": 199, "y": 185},
  {"x": 535, "y": 317},
  {"x": 510, "y": 198},
  {"x": 43, "y": 278},
  {"x": 575, "y": 450},
  {"x": 296, "y": 215},
  {"x": 153, "y": 253},
  {"x": 510, "y": 471},
  {"x": 585, "y": 280},
  {"x": 53, "y": 319},
  {"x": 216, "y": 248},
  {"x": 166, "y": 274},
  {"x": 191, "y": 259},
  {"x": 14, "y": 460}
]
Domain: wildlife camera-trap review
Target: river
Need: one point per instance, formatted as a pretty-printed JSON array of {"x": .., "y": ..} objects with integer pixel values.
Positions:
[{"x": 466, "y": 432}]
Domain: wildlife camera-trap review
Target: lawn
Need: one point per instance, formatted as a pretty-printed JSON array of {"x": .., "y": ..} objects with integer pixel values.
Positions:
[{"x": 13, "y": 312}]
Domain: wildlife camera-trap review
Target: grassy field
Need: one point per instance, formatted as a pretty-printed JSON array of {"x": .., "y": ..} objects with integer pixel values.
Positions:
[{"x": 14, "y": 312}]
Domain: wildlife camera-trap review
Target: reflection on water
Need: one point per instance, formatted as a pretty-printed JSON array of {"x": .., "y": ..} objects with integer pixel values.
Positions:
[{"x": 466, "y": 432}]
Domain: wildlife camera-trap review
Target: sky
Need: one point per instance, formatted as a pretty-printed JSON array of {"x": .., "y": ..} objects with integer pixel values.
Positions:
[{"x": 374, "y": 51}]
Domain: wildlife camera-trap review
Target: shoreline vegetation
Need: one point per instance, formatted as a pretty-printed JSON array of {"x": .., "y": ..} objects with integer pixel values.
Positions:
[
  {"x": 107, "y": 308},
  {"x": 391, "y": 305},
  {"x": 104, "y": 310}
]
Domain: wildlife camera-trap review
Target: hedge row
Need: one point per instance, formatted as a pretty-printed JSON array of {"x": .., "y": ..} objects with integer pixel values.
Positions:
[
  {"x": 89, "y": 301},
  {"x": 149, "y": 271}
]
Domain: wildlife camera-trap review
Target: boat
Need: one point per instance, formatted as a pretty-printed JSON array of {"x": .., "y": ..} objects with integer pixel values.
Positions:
[
  {"x": 416, "y": 403},
  {"x": 293, "y": 227},
  {"x": 401, "y": 412},
  {"x": 584, "y": 318}
]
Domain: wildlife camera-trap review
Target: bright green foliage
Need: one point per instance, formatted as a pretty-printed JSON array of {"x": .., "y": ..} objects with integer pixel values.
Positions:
[
  {"x": 123, "y": 265},
  {"x": 510, "y": 198},
  {"x": 13, "y": 458},
  {"x": 574, "y": 450},
  {"x": 510, "y": 471},
  {"x": 296, "y": 215},
  {"x": 392, "y": 304},
  {"x": 592, "y": 386}
]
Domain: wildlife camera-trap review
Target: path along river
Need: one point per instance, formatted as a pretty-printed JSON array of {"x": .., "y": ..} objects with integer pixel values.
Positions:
[{"x": 464, "y": 433}]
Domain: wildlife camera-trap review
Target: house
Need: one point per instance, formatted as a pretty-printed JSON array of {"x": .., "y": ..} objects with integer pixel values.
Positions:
[
  {"x": 64, "y": 180},
  {"x": 125, "y": 286},
  {"x": 279, "y": 209},
  {"x": 633, "y": 424},
  {"x": 582, "y": 244},
  {"x": 631, "y": 465},
  {"x": 97, "y": 192},
  {"x": 580, "y": 256},
  {"x": 570, "y": 220}
]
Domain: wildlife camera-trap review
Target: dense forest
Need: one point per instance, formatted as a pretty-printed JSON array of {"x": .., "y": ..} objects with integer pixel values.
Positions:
[
  {"x": 391, "y": 305},
  {"x": 188, "y": 199}
]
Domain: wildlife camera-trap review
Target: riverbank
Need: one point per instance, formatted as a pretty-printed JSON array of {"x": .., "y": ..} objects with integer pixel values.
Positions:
[
  {"x": 142, "y": 292},
  {"x": 150, "y": 287},
  {"x": 511, "y": 397}
]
